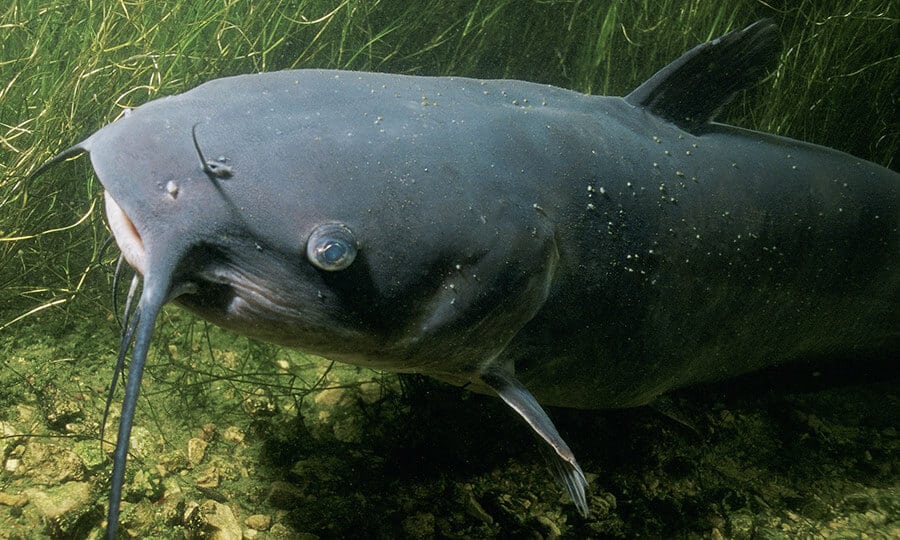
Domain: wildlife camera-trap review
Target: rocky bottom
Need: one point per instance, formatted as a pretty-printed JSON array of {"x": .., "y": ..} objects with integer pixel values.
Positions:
[{"x": 375, "y": 456}]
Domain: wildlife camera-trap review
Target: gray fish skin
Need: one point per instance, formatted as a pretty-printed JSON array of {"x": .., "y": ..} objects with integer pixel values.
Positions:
[
  {"x": 548, "y": 246},
  {"x": 652, "y": 257},
  {"x": 737, "y": 251}
]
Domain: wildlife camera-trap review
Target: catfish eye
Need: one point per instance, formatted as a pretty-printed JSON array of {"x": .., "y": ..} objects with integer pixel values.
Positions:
[{"x": 331, "y": 247}]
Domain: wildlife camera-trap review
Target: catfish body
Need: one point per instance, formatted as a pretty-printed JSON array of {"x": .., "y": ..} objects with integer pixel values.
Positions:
[
  {"x": 640, "y": 257},
  {"x": 520, "y": 239},
  {"x": 715, "y": 255}
]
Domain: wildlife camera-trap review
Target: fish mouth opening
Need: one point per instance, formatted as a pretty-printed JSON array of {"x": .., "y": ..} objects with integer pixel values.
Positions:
[{"x": 126, "y": 234}]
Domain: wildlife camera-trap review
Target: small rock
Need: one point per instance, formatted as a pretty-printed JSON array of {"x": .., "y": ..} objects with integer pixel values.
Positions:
[
  {"x": 220, "y": 521},
  {"x": 166, "y": 511},
  {"x": 320, "y": 469},
  {"x": 50, "y": 464},
  {"x": 143, "y": 443},
  {"x": 192, "y": 518},
  {"x": 196, "y": 450},
  {"x": 25, "y": 413},
  {"x": 8, "y": 438},
  {"x": 9, "y": 499},
  {"x": 337, "y": 415},
  {"x": 260, "y": 522},
  {"x": 169, "y": 509},
  {"x": 208, "y": 478},
  {"x": 742, "y": 524},
  {"x": 62, "y": 507},
  {"x": 348, "y": 430}
]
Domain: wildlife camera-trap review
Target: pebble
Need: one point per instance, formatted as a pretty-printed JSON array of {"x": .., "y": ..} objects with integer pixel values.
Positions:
[
  {"x": 221, "y": 521},
  {"x": 50, "y": 464},
  {"x": 196, "y": 450},
  {"x": 260, "y": 522},
  {"x": 143, "y": 442},
  {"x": 8, "y": 438},
  {"x": 209, "y": 478},
  {"x": 9, "y": 499},
  {"x": 62, "y": 506}
]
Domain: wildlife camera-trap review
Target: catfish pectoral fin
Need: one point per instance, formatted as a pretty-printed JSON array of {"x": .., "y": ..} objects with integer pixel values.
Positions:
[{"x": 562, "y": 461}]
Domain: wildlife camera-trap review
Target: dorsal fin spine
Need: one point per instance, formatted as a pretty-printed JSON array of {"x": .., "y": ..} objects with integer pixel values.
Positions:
[{"x": 691, "y": 90}]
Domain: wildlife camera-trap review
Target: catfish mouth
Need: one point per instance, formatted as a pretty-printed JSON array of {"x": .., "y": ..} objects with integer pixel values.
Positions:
[
  {"x": 250, "y": 297},
  {"x": 126, "y": 234}
]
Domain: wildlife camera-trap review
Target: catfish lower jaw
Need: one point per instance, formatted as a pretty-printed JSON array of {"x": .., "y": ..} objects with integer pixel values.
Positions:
[
  {"x": 127, "y": 237},
  {"x": 263, "y": 297},
  {"x": 271, "y": 305}
]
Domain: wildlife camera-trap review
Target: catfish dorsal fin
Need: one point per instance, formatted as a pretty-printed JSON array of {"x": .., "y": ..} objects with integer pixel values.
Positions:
[
  {"x": 690, "y": 91},
  {"x": 562, "y": 461}
]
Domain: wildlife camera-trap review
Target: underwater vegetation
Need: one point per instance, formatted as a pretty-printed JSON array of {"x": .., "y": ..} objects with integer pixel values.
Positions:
[{"x": 235, "y": 437}]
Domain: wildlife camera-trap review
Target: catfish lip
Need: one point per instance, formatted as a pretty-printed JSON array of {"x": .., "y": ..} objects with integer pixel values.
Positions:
[{"x": 125, "y": 233}]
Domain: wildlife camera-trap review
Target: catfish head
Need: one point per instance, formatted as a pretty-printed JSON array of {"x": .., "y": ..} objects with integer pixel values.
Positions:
[{"x": 323, "y": 210}]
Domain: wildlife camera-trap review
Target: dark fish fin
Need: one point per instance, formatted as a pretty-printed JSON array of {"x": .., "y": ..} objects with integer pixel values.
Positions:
[
  {"x": 690, "y": 91},
  {"x": 563, "y": 464},
  {"x": 72, "y": 151}
]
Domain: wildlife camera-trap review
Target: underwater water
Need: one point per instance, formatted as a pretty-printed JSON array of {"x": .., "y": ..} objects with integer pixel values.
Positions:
[{"x": 236, "y": 438}]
